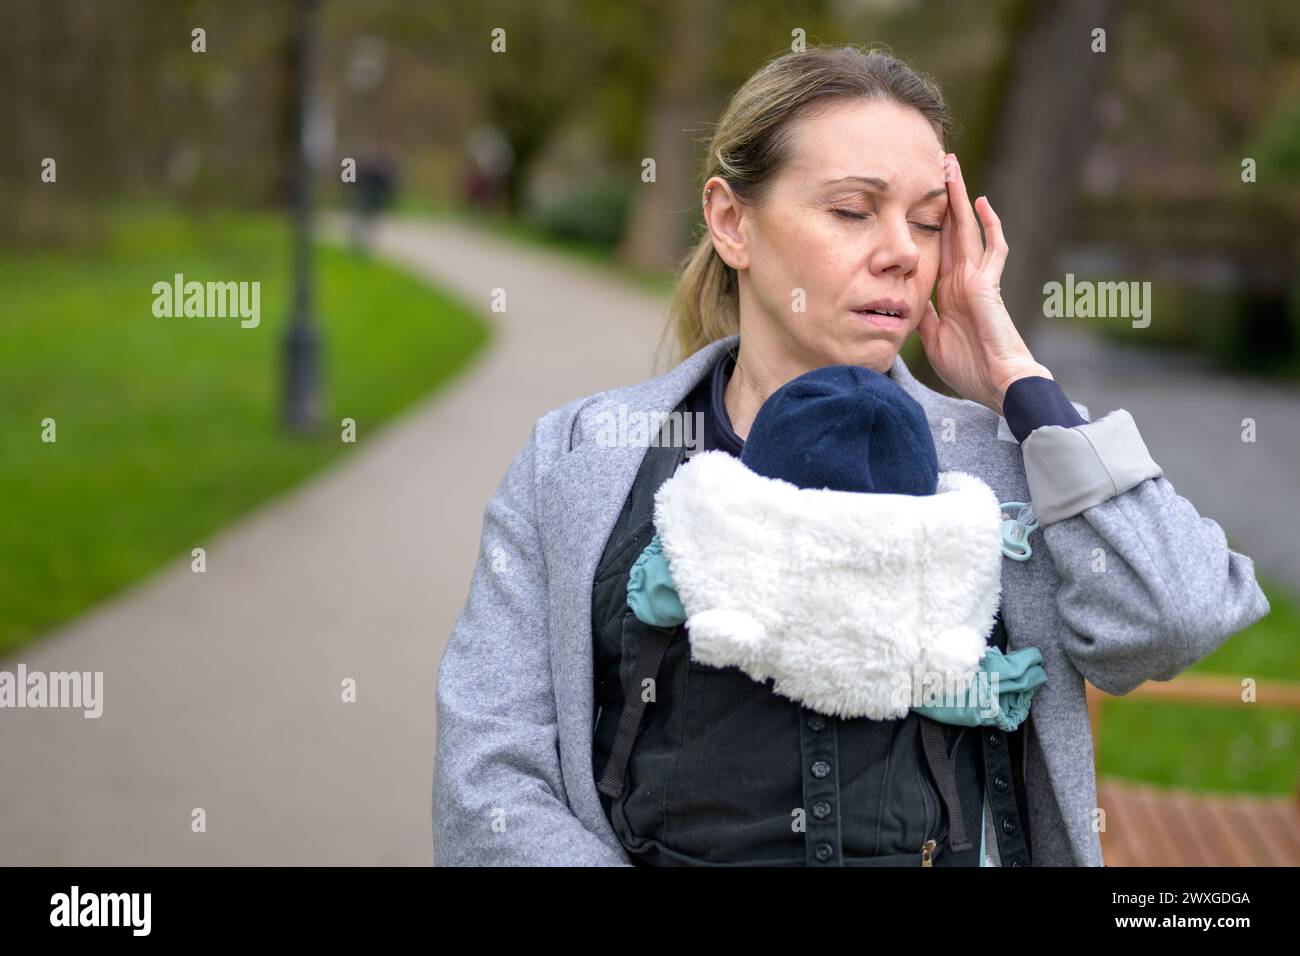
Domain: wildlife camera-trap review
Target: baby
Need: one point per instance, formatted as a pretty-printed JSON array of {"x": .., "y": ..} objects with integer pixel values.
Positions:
[{"x": 834, "y": 558}]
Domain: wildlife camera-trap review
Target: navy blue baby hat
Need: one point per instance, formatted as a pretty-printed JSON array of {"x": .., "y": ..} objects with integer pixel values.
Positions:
[{"x": 845, "y": 428}]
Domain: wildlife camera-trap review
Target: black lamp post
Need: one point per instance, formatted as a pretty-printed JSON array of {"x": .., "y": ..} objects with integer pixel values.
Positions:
[{"x": 302, "y": 342}]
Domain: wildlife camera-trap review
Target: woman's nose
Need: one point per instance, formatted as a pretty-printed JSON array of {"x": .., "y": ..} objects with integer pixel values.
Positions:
[{"x": 896, "y": 249}]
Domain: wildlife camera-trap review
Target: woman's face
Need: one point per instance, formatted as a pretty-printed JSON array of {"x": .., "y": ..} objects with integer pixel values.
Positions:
[{"x": 853, "y": 221}]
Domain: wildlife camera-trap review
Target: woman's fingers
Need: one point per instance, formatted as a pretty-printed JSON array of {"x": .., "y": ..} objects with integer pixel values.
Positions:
[
  {"x": 995, "y": 252},
  {"x": 966, "y": 236},
  {"x": 928, "y": 326}
]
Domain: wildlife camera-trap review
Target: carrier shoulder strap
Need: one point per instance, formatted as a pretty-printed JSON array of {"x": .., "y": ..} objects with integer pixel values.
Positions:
[
  {"x": 936, "y": 754},
  {"x": 658, "y": 466},
  {"x": 648, "y": 659}
]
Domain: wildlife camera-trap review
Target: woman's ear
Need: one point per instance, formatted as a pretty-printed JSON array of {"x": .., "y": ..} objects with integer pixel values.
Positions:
[{"x": 728, "y": 221}]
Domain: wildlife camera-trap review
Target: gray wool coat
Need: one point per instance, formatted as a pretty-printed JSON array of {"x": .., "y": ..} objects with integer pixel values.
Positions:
[{"x": 1127, "y": 583}]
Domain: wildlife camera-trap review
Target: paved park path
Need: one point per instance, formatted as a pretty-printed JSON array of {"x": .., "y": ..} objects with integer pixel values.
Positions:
[{"x": 222, "y": 690}]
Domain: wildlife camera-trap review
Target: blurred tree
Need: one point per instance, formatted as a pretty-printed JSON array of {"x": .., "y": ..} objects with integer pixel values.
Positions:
[
  {"x": 550, "y": 62},
  {"x": 1276, "y": 149},
  {"x": 117, "y": 96},
  {"x": 1198, "y": 88},
  {"x": 1040, "y": 139},
  {"x": 662, "y": 211}
]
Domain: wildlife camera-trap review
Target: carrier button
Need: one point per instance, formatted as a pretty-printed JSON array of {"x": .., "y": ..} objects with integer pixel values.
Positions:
[
  {"x": 1000, "y": 783},
  {"x": 821, "y": 809},
  {"x": 817, "y": 722},
  {"x": 995, "y": 739},
  {"x": 820, "y": 769},
  {"x": 1008, "y": 825},
  {"x": 824, "y": 852},
  {"x": 1015, "y": 861}
]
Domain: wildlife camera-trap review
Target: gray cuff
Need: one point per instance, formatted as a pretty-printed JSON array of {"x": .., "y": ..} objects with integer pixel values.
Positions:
[{"x": 1072, "y": 469}]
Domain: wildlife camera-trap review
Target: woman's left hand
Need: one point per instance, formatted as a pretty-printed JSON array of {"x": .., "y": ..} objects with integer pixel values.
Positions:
[{"x": 970, "y": 341}]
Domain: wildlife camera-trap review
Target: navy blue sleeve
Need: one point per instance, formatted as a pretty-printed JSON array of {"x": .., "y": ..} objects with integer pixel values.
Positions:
[{"x": 1034, "y": 401}]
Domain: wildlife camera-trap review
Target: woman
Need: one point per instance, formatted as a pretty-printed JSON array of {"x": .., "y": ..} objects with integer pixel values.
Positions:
[{"x": 832, "y": 210}]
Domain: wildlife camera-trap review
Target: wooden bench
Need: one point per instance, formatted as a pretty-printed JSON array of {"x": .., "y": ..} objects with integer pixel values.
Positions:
[{"x": 1161, "y": 826}]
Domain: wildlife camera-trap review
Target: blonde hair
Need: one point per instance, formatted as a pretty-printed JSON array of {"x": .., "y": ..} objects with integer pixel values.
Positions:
[{"x": 751, "y": 143}]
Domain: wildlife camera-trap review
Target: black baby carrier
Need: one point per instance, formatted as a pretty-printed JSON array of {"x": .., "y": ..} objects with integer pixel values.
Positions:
[{"x": 699, "y": 765}]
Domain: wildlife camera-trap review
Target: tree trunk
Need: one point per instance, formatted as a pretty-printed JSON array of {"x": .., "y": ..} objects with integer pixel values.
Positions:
[
  {"x": 1042, "y": 135},
  {"x": 663, "y": 211}
]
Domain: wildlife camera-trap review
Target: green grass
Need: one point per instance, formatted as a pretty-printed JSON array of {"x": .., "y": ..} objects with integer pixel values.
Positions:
[
  {"x": 167, "y": 428},
  {"x": 1241, "y": 747}
]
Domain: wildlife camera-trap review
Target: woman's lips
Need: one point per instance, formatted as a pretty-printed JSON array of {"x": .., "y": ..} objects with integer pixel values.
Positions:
[{"x": 889, "y": 323}]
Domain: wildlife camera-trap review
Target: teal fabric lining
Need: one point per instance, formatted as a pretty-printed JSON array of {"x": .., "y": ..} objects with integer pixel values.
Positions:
[
  {"x": 650, "y": 590},
  {"x": 1009, "y": 680}
]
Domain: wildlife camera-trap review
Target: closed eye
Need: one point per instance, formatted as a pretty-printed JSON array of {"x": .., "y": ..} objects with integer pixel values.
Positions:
[{"x": 850, "y": 214}]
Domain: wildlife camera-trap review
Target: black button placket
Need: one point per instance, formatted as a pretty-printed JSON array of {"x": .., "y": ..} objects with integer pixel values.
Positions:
[
  {"x": 821, "y": 788},
  {"x": 1000, "y": 780},
  {"x": 1012, "y": 849}
]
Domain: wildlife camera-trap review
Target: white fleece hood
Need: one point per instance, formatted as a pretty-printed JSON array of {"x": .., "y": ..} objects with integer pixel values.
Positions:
[{"x": 845, "y": 599}]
